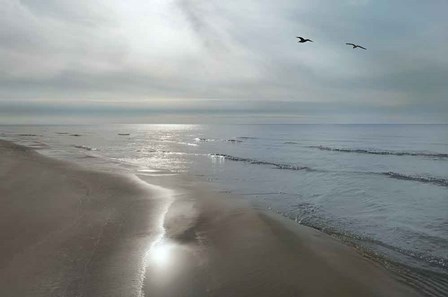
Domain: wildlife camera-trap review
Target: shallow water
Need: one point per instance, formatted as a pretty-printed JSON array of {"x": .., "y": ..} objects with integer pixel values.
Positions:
[{"x": 383, "y": 187}]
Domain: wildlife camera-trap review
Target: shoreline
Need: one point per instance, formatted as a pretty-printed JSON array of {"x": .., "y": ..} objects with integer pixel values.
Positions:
[{"x": 73, "y": 231}]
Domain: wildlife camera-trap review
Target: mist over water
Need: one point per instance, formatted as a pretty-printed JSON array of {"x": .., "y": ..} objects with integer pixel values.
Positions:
[{"x": 382, "y": 187}]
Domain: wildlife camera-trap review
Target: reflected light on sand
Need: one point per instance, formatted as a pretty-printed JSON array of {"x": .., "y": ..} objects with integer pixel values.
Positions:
[
  {"x": 160, "y": 253},
  {"x": 158, "y": 256}
]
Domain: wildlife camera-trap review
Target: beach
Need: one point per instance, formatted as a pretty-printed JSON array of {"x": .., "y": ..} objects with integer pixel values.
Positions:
[{"x": 67, "y": 230}]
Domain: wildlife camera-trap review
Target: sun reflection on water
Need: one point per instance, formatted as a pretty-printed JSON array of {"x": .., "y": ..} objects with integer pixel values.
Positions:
[
  {"x": 158, "y": 256},
  {"x": 160, "y": 253},
  {"x": 166, "y": 259}
]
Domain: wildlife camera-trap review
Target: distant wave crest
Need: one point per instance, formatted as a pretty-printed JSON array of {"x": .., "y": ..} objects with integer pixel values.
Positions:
[
  {"x": 380, "y": 152},
  {"x": 234, "y": 140},
  {"x": 258, "y": 162},
  {"x": 423, "y": 179},
  {"x": 201, "y": 139},
  {"x": 86, "y": 148}
]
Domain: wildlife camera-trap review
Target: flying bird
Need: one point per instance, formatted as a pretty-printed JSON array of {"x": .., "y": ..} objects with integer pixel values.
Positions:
[
  {"x": 303, "y": 40},
  {"x": 356, "y": 46}
]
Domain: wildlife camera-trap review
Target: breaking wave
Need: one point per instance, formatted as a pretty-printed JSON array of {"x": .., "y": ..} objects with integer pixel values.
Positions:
[
  {"x": 86, "y": 148},
  {"x": 258, "y": 162},
  {"x": 234, "y": 140},
  {"x": 423, "y": 179},
  {"x": 201, "y": 139},
  {"x": 27, "y": 134},
  {"x": 381, "y": 152}
]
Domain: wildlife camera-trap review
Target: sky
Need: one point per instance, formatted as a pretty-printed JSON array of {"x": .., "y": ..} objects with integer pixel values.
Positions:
[{"x": 211, "y": 61}]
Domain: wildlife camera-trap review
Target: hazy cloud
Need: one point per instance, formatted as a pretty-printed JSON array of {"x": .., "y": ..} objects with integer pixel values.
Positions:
[{"x": 230, "y": 56}]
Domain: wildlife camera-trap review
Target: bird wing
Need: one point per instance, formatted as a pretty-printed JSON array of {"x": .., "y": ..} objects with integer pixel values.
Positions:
[
  {"x": 362, "y": 47},
  {"x": 350, "y": 44},
  {"x": 301, "y": 38}
]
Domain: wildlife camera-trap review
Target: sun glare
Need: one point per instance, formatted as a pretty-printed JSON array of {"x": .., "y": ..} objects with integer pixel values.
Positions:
[{"x": 160, "y": 253}]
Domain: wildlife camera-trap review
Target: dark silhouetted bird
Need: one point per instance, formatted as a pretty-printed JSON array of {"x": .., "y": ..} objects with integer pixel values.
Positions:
[
  {"x": 303, "y": 40},
  {"x": 356, "y": 46}
]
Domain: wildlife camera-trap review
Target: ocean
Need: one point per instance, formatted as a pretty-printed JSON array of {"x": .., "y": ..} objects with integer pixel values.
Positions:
[{"x": 381, "y": 188}]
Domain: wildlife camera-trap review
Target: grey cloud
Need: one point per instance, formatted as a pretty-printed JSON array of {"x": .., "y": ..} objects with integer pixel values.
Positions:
[
  {"x": 241, "y": 51},
  {"x": 196, "y": 13}
]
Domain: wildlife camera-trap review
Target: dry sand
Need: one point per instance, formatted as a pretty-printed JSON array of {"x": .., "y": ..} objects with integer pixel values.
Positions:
[{"x": 69, "y": 231}]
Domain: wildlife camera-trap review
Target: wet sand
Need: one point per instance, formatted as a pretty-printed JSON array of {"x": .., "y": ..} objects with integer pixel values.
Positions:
[{"x": 69, "y": 231}]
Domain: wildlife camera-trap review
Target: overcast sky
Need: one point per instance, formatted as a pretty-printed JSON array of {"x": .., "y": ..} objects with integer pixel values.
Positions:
[{"x": 223, "y": 61}]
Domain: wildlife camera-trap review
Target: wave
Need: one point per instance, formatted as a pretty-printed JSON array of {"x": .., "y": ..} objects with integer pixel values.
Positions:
[
  {"x": 88, "y": 157},
  {"x": 37, "y": 145},
  {"x": 234, "y": 140},
  {"x": 380, "y": 152},
  {"x": 258, "y": 162},
  {"x": 27, "y": 134},
  {"x": 181, "y": 142},
  {"x": 200, "y": 139},
  {"x": 187, "y": 143},
  {"x": 429, "y": 279},
  {"x": 86, "y": 148},
  {"x": 423, "y": 179},
  {"x": 231, "y": 140}
]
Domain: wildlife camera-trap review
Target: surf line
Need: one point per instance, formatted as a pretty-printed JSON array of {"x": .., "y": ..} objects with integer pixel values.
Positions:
[{"x": 157, "y": 252}]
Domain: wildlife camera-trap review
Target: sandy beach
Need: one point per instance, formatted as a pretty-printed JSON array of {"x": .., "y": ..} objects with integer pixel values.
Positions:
[{"x": 66, "y": 230}]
